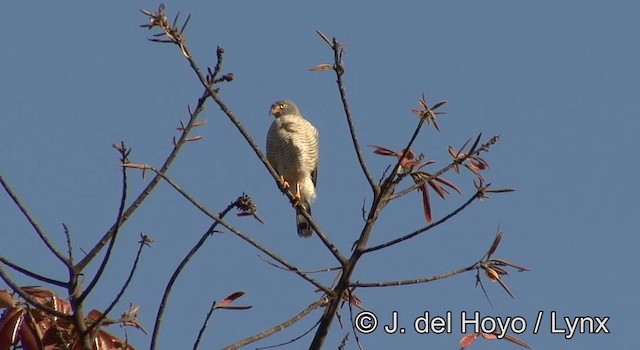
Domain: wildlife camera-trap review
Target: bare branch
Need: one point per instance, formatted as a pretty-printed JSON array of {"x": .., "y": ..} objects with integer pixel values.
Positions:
[
  {"x": 426, "y": 228},
  {"x": 5, "y": 277},
  {"x": 32, "y": 221},
  {"x": 151, "y": 186},
  {"x": 414, "y": 281},
  {"x": 279, "y": 327},
  {"x": 123, "y": 198},
  {"x": 178, "y": 270},
  {"x": 204, "y": 325},
  {"x": 32, "y": 274},
  {"x": 67, "y": 235},
  {"x": 338, "y": 51},
  {"x": 143, "y": 242},
  {"x": 239, "y": 233}
]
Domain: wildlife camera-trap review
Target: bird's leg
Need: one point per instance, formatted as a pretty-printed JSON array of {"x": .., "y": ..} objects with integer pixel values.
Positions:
[{"x": 297, "y": 195}]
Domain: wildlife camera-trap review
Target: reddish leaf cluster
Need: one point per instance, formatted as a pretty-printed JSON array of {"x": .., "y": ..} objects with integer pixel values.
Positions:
[
  {"x": 425, "y": 180},
  {"x": 494, "y": 268},
  {"x": 427, "y": 113},
  {"x": 35, "y": 329}
]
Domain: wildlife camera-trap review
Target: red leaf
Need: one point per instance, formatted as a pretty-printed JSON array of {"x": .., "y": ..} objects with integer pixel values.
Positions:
[
  {"x": 383, "y": 151},
  {"x": 489, "y": 336},
  {"x": 229, "y": 299},
  {"x": 425, "y": 202},
  {"x": 10, "y": 326},
  {"x": 468, "y": 340},
  {"x": 29, "y": 338}
]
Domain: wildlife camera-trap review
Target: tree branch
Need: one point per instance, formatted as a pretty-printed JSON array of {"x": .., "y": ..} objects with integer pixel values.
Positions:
[
  {"x": 338, "y": 68},
  {"x": 123, "y": 198},
  {"x": 239, "y": 233},
  {"x": 413, "y": 281},
  {"x": 426, "y": 228},
  {"x": 193, "y": 115},
  {"x": 178, "y": 270},
  {"x": 32, "y": 274},
  {"x": 115, "y": 301},
  {"x": 34, "y": 224},
  {"x": 5, "y": 277},
  {"x": 277, "y": 328}
]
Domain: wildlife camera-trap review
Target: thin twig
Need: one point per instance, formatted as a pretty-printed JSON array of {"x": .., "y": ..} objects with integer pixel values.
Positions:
[
  {"x": 328, "y": 269},
  {"x": 353, "y": 326},
  {"x": 67, "y": 235},
  {"x": 34, "y": 224},
  {"x": 426, "y": 228},
  {"x": 414, "y": 281},
  {"x": 133, "y": 269},
  {"x": 178, "y": 270},
  {"x": 5, "y": 277},
  {"x": 204, "y": 325},
  {"x": 291, "y": 341},
  {"x": 240, "y": 234},
  {"x": 338, "y": 50},
  {"x": 277, "y": 328},
  {"x": 32, "y": 274},
  {"x": 123, "y": 199}
]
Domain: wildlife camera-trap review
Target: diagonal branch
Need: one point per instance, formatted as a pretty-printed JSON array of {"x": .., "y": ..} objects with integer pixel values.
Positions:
[
  {"x": 426, "y": 228},
  {"x": 277, "y": 328},
  {"x": 338, "y": 50},
  {"x": 261, "y": 156},
  {"x": 178, "y": 270},
  {"x": 5, "y": 277},
  {"x": 241, "y": 234},
  {"x": 32, "y": 274},
  {"x": 34, "y": 224},
  {"x": 193, "y": 115},
  {"x": 414, "y": 281},
  {"x": 123, "y": 198},
  {"x": 115, "y": 301}
]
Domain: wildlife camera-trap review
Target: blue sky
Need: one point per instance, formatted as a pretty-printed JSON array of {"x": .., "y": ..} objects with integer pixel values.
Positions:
[{"x": 557, "y": 81}]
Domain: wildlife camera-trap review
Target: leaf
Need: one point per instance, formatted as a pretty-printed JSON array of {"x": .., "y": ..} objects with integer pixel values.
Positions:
[
  {"x": 491, "y": 274},
  {"x": 321, "y": 67},
  {"x": 10, "y": 327},
  {"x": 325, "y": 38},
  {"x": 230, "y": 298},
  {"x": 425, "y": 202},
  {"x": 494, "y": 245},
  {"x": 509, "y": 263},
  {"x": 383, "y": 151},
  {"x": 468, "y": 340},
  {"x": 6, "y": 300},
  {"x": 224, "y": 304}
]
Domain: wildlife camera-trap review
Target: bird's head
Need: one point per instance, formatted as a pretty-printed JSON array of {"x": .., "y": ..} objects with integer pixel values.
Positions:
[{"x": 284, "y": 107}]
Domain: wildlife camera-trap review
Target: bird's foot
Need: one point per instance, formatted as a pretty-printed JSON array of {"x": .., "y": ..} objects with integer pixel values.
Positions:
[
  {"x": 284, "y": 183},
  {"x": 297, "y": 198}
]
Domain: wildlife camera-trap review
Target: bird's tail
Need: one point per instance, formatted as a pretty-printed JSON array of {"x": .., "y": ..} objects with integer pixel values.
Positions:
[{"x": 303, "y": 225}]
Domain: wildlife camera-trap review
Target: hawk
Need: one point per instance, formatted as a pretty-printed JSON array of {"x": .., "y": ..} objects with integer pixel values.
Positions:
[{"x": 292, "y": 150}]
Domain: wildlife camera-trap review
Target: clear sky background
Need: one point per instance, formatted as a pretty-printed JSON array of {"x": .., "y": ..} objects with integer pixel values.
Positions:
[{"x": 557, "y": 80}]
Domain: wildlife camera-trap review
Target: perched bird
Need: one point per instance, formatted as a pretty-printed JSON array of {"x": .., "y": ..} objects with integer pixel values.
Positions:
[{"x": 292, "y": 150}]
